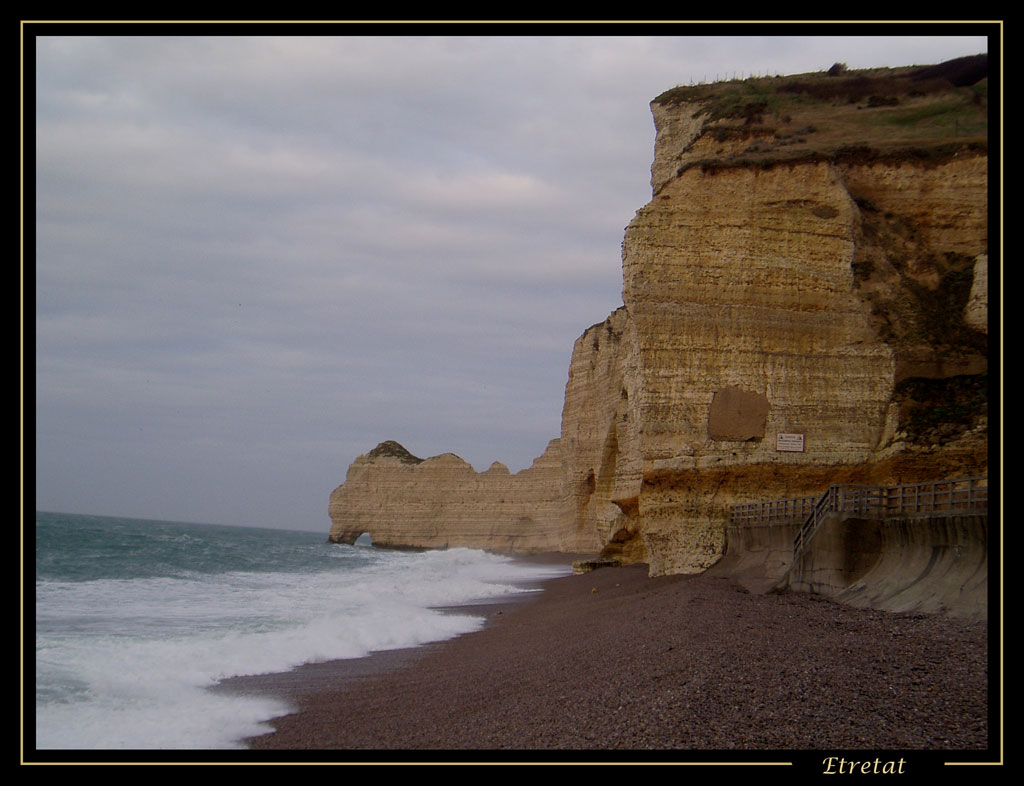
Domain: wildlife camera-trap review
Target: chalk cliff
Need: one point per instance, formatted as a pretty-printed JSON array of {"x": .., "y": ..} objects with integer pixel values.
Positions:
[
  {"x": 408, "y": 502},
  {"x": 804, "y": 303}
]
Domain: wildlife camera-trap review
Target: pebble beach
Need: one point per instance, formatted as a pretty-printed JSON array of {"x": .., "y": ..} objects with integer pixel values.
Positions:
[{"x": 616, "y": 666}]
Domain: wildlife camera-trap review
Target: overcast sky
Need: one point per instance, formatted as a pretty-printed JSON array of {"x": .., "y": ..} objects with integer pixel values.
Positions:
[{"x": 258, "y": 257}]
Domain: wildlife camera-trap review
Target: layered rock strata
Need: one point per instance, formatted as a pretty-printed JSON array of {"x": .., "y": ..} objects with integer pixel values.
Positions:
[
  {"x": 407, "y": 502},
  {"x": 777, "y": 318}
]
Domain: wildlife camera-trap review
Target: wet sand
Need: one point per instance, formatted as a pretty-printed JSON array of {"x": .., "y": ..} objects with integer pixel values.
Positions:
[{"x": 614, "y": 666}]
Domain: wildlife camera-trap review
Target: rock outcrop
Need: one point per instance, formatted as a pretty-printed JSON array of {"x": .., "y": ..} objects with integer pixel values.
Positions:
[
  {"x": 797, "y": 304},
  {"x": 408, "y": 502}
]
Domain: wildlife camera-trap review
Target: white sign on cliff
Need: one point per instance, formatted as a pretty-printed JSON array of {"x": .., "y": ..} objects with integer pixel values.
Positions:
[{"x": 793, "y": 443}]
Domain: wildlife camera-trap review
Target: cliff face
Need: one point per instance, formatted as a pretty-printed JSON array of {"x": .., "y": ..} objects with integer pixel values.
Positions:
[
  {"x": 741, "y": 290},
  {"x": 795, "y": 312},
  {"x": 408, "y": 502}
]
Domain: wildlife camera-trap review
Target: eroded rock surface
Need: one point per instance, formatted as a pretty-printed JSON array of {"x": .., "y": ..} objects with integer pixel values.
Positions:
[{"x": 802, "y": 294}]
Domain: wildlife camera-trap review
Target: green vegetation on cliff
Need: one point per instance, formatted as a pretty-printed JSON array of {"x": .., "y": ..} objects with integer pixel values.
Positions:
[{"x": 921, "y": 113}]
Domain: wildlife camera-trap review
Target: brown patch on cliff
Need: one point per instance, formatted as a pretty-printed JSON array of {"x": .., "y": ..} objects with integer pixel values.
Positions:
[{"x": 737, "y": 414}]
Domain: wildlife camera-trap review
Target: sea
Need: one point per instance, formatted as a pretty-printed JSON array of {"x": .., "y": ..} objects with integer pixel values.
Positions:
[{"x": 136, "y": 619}]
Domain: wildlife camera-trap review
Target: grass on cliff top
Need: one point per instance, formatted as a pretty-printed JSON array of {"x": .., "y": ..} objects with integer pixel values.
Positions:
[{"x": 878, "y": 110}]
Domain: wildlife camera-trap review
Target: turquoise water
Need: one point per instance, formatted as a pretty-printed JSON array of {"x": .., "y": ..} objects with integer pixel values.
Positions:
[{"x": 135, "y": 619}]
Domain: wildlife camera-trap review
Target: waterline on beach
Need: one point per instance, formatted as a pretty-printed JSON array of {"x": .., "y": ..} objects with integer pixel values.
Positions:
[{"x": 136, "y": 619}]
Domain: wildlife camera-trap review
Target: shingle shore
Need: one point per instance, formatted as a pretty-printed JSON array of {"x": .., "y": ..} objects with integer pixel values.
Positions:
[{"x": 616, "y": 661}]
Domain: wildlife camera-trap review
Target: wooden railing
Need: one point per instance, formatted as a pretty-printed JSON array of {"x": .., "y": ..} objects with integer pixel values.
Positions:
[
  {"x": 935, "y": 498},
  {"x": 942, "y": 497},
  {"x": 776, "y": 511}
]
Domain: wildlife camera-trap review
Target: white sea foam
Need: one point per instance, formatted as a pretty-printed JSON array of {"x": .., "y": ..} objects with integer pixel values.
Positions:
[{"x": 125, "y": 663}]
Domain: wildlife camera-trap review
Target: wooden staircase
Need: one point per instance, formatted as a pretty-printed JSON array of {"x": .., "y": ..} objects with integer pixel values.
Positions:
[{"x": 937, "y": 498}]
